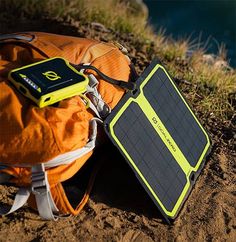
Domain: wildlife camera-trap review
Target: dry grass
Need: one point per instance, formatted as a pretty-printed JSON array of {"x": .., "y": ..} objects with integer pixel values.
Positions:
[
  {"x": 218, "y": 84},
  {"x": 118, "y": 15}
]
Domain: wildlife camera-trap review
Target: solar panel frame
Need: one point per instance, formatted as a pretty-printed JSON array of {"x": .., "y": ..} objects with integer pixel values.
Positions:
[{"x": 116, "y": 115}]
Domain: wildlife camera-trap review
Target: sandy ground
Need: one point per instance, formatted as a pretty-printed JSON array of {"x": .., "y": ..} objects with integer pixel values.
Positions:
[{"x": 119, "y": 209}]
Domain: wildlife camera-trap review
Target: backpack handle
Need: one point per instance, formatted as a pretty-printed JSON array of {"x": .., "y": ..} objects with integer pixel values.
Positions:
[
  {"x": 4, "y": 37},
  {"x": 21, "y": 40},
  {"x": 125, "y": 85}
]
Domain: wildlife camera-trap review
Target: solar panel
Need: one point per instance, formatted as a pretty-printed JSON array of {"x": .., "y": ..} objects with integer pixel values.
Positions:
[{"x": 160, "y": 137}]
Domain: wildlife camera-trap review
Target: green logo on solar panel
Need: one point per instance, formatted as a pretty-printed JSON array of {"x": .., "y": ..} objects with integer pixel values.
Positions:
[{"x": 162, "y": 130}]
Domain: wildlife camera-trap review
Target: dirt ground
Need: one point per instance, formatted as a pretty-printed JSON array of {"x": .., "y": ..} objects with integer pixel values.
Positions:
[{"x": 119, "y": 209}]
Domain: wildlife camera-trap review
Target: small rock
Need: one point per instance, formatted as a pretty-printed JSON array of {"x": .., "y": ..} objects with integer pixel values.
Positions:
[
  {"x": 135, "y": 236},
  {"x": 136, "y": 219},
  {"x": 225, "y": 176},
  {"x": 221, "y": 64},
  {"x": 99, "y": 27},
  {"x": 145, "y": 221},
  {"x": 113, "y": 222},
  {"x": 209, "y": 59}
]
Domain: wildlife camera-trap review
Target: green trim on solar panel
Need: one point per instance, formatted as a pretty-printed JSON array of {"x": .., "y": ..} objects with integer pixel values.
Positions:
[{"x": 160, "y": 137}]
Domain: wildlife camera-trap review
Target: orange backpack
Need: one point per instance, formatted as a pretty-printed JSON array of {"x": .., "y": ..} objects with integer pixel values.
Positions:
[{"x": 42, "y": 147}]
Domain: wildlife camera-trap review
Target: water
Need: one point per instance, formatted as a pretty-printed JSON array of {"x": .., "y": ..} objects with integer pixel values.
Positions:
[{"x": 202, "y": 20}]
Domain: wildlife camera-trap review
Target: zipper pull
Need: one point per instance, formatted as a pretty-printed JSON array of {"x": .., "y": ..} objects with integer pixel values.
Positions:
[{"x": 120, "y": 47}]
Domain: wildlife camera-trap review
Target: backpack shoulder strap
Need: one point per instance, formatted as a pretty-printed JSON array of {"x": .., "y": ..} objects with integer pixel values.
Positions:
[
  {"x": 40, "y": 188},
  {"x": 21, "y": 198}
]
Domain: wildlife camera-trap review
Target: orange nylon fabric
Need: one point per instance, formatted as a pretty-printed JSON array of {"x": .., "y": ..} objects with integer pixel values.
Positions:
[{"x": 31, "y": 135}]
